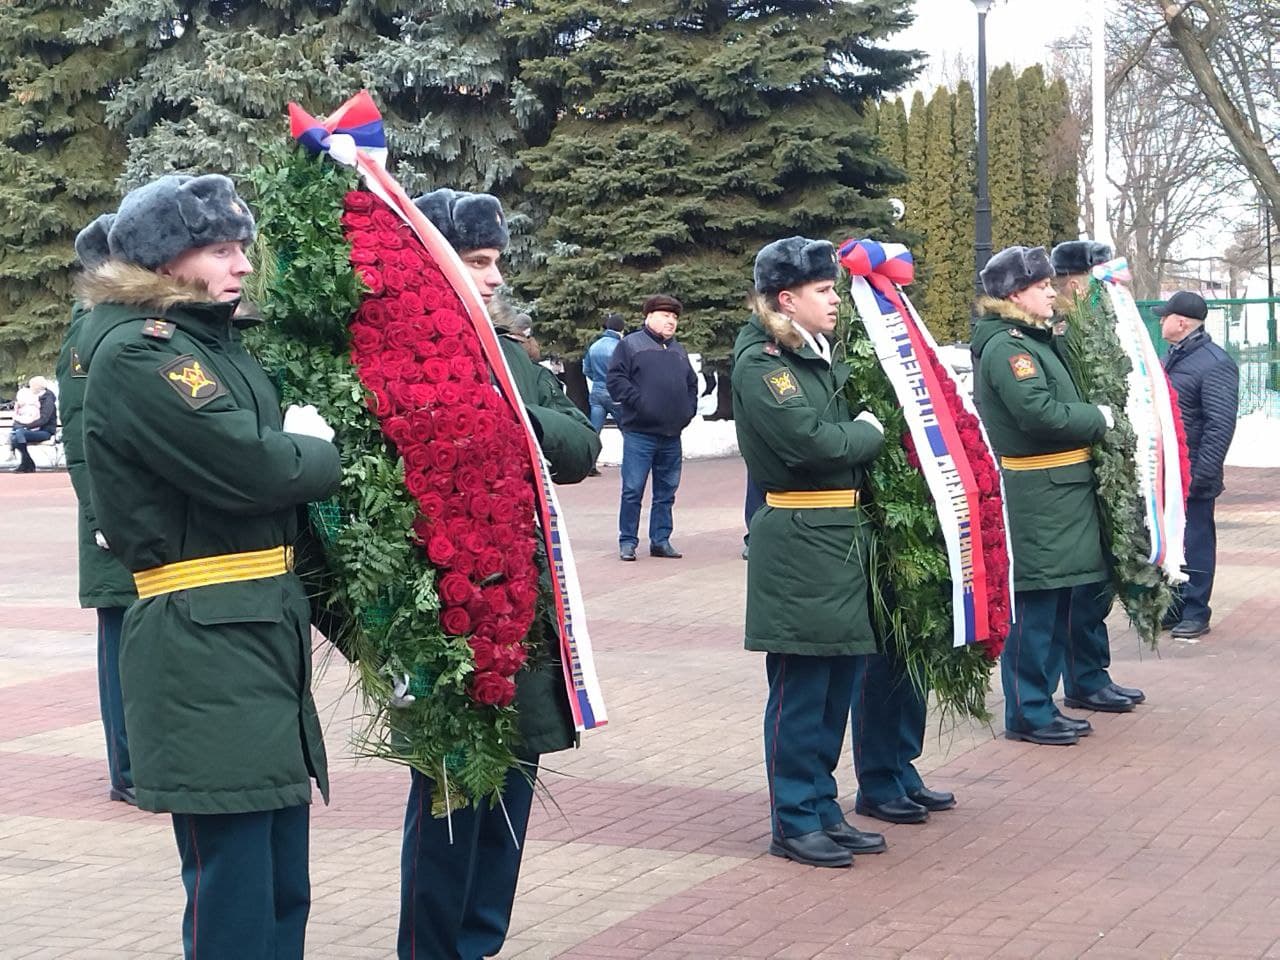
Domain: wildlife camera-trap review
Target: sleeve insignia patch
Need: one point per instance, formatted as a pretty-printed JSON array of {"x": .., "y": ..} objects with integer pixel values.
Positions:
[
  {"x": 1023, "y": 366},
  {"x": 782, "y": 384},
  {"x": 772, "y": 349},
  {"x": 1015, "y": 333},
  {"x": 195, "y": 385},
  {"x": 158, "y": 329},
  {"x": 77, "y": 365}
]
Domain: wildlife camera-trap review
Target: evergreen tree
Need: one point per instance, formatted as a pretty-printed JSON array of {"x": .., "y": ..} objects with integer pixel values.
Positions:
[
  {"x": 58, "y": 163},
  {"x": 914, "y": 224},
  {"x": 1064, "y": 194},
  {"x": 943, "y": 250},
  {"x": 1036, "y": 132},
  {"x": 955, "y": 326},
  {"x": 688, "y": 136},
  {"x": 1007, "y": 160},
  {"x": 892, "y": 130}
]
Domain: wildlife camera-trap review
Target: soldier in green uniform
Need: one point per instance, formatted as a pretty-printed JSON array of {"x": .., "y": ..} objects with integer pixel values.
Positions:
[
  {"x": 1041, "y": 432},
  {"x": 196, "y": 482},
  {"x": 1086, "y": 682},
  {"x": 807, "y": 605},
  {"x": 105, "y": 585},
  {"x": 456, "y": 893}
]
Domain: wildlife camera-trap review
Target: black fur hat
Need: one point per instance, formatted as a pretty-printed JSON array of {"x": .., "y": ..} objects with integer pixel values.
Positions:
[
  {"x": 1014, "y": 269},
  {"x": 167, "y": 217},
  {"x": 469, "y": 221},
  {"x": 1078, "y": 256},
  {"x": 793, "y": 262},
  {"x": 91, "y": 242}
]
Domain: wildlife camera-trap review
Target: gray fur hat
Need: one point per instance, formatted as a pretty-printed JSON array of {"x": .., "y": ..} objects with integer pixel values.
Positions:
[
  {"x": 793, "y": 262},
  {"x": 91, "y": 242},
  {"x": 469, "y": 221},
  {"x": 1014, "y": 269},
  {"x": 176, "y": 213},
  {"x": 1078, "y": 256}
]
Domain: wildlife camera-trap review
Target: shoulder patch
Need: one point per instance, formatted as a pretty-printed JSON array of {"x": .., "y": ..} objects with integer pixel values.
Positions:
[
  {"x": 193, "y": 383},
  {"x": 158, "y": 329},
  {"x": 1023, "y": 366},
  {"x": 772, "y": 349},
  {"x": 782, "y": 384},
  {"x": 77, "y": 365},
  {"x": 1015, "y": 333}
]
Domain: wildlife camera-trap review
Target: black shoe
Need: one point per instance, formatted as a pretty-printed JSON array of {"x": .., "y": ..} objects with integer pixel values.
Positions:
[
  {"x": 746, "y": 550},
  {"x": 1169, "y": 621},
  {"x": 932, "y": 799},
  {"x": 1056, "y": 734},
  {"x": 125, "y": 795},
  {"x": 627, "y": 551},
  {"x": 594, "y": 472},
  {"x": 1105, "y": 700},
  {"x": 812, "y": 849},
  {"x": 1081, "y": 726},
  {"x": 664, "y": 550},
  {"x": 1190, "y": 629},
  {"x": 854, "y": 840},
  {"x": 900, "y": 810},
  {"x": 1129, "y": 693}
]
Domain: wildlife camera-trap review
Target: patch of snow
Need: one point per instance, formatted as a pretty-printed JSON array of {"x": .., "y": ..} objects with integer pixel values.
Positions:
[
  {"x": 1256, "y": 443},
  {"x": 701, "y": 440}
]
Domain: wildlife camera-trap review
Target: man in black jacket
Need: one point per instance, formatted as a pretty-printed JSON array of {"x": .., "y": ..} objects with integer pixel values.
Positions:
[
  {"x": 653, "y": 384},
  {"x": 1208, "y": 384}
]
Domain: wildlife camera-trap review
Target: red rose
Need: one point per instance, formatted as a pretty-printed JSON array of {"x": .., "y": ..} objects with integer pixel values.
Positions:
[
  {"x": 431, "y": 505},
  {"x": 489, "y": 467},
  {"x": 459, "y": 528},
  {"x": 489, "y": 563},
  {"x": 435, "y": 370},
  {"x": 412, "y": 304},
  {"x": 454, "y": 507},
  {"x": 469, "y": 479},
  {"x": 371, "y": 278},
  {"x": 389, "y": 239},
  {"x": 401, "y": 397},
  {"x": 421, "y": 531},
  {"x": 455, "y": 589},
  {"x": 359, "y": 201},
  {"x": 400, "y": 334},
  {"x": 433, "y": 297},
  {"x": 418, "y": 458},
  {"x": 440, "y": 549},
  {"x": 478, "y": 506},
  {"x": 363, "y": 256},
  {"x": 442, "y": 482},
  {"x": 484, "y": 653},
  {"x": 384, "y": 218},
  {"x": 478, "y": 609},
  {"x": 411, "y": 260},
  {"x": 462, "y": 368},
  {"x": 449, "y": 346},
  {"x": 378, "y": 401},
  {"x": 357, "y": 221},
  {"x": 425, "y": 349},
  {"x": 424, "y": 394},
  {"x": 365, "y": 338},
  {"x": 510, "y": 659},
  {"x": 508, "y": 633},
  {"x": 450, "y": 393},
  {"x": 450, "y": 323},
  {"x": 444, "y": 456},
  {"x": 455, "y": 621},
  {"x": 495, "y": 596},
  {"x": 485, "y": 424},
  {"x": 504, "y": 511},
  {"x": 398, "y": 430},
  {"x": 423, "y": 428},
  {"x": 416, "y": 483},
  {"x": 475, "y": 542},
  {"x": 492, "y": 690},
  {"x": 464, "y": 563}
]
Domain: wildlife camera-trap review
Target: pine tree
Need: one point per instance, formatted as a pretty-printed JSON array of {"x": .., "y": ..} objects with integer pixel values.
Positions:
[
  {"x": 942, "y": 248},
  {"x": 1036, "y": 177},
  {"x": 963, "y": 200},
  {"x": 688, "y": 136},
  {"x": 914, "y": 223},
  {"x": 58, "y": 163},
  {"x": 1064, "y": 195},
  {"x": 1007, "y": 160}
]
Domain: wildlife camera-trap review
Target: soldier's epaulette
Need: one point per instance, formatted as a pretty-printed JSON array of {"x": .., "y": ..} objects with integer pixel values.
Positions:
[
  {"x": 158, "y": 329},
  {"x": 1016, "y": 333},
  {"x": 772, "y": 349}
]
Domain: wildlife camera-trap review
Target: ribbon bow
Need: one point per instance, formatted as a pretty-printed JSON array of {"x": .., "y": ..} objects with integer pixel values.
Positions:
[
  {"x": 355, "y": 124},
  {"x": 1117, "y": 271},
  {"x": 885, "y": 266}
]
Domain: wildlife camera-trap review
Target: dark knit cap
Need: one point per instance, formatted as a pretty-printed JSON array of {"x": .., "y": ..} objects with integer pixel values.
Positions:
[
  {"x": 1078, "y": 256},
  {"x": 662, "y": 301},
  {"x": 1014, "y": 269},
  {"x": 615, "y": 322},
  {"x": 167, "y": 217},
  {"x": 793, "y": 262},
  {"x": 92, "y": 247},
  {"x": 469, "y": 221}
]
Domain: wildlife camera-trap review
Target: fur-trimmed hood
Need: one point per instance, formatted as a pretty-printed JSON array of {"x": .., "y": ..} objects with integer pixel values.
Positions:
[
  {"x": 1008, "y": 310},
  {"x": 996, "y": 315},
  {"x": 118, "y": 282},
  {"x": 776, "y": 325}
]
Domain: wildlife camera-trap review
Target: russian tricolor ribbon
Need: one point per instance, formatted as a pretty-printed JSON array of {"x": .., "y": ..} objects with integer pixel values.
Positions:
[{"x": 353, "y": 135}]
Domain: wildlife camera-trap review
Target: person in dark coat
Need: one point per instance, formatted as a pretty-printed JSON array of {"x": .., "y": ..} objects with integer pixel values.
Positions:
[
  {"x": 653, "y": 384},
  {"x": 807, "y": 589},
  {"x": 42, "y": 428},
  {"x": 1041, "y": 431},
  {"x": 105, "y": 585},
  {"x": 457, "y": 892},
  {"x": 196, "y": 480},
  {"x": 1208, "y": 385},
  {"x": 595, "y": 367}
]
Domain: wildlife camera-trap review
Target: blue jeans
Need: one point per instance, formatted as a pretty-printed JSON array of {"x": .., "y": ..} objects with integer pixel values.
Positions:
[
  {"x": 642, "y": 454},
  {"x": 600, "y": 407},
  {"x": 19, "y": 437}
]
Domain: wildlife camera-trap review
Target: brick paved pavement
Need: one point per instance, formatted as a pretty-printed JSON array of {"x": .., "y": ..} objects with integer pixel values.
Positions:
[{"x": 1157, "y": 837}]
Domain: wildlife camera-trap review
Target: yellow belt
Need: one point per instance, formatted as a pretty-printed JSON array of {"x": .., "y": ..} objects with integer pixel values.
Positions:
[
  {"x": 804, "y": 499},
  {"x": 206, "y": 571},
  {"x": 1044, "y": 461}
]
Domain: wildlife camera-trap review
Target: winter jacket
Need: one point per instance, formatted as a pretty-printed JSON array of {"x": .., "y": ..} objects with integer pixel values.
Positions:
[
  {"x": 46, "y": 418},
  {"x": 595, "y": 363},
  {"x": 1031, "y": 407},
  {"x": 187, "y": 460},
  {"x": 104, "y": 582},
  {"x": 1208, "y": 385},
  {"x": 807, "y": 575},
  {"x": 653, "y": 384}
]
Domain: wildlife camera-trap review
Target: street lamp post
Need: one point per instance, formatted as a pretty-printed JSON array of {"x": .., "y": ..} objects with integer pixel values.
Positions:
[{"x": 982, "y": 212}]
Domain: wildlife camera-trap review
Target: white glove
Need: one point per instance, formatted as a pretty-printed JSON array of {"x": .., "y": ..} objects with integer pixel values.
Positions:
[
  {"x": 400, "y": 695},
  {"x": 1107, "y": 415},
  {"x": 100, "y": 540},
  {"x": 307, "y": 422},
  {"x": 866, "y": 416}
]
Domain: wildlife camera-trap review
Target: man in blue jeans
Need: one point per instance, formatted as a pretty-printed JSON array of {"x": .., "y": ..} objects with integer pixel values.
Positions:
[
  {"x": 653, "y": 384},
  {"x": 595, "y": 367}
]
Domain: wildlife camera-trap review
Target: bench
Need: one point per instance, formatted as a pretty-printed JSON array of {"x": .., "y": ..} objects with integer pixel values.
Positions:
[{"x": 47, "y": 454}]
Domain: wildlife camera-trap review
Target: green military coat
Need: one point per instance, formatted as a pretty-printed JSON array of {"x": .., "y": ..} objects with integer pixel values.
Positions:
[
  {"x": 1031, "y": 407},
  {"x": 104, "y": 582},
  {"x": 571, "y": 447},
  {"x": 807, "y": 575},
  {"x": 186, "y": 460}
]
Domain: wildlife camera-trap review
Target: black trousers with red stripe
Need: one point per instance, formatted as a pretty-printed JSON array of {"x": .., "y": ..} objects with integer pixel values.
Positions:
[{"x": 248, "y": 883}]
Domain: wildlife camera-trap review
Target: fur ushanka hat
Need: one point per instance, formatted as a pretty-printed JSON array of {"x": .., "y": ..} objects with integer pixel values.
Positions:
[
  {"x": 469, "y": 221},
  {"x": 1014, "y": 269},
  {"x": 167, "y": 217},
  {"x": 1078, "y": 256},
  {"x": 92, "y": 247},
  {"x": 794, "y": 262}
]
